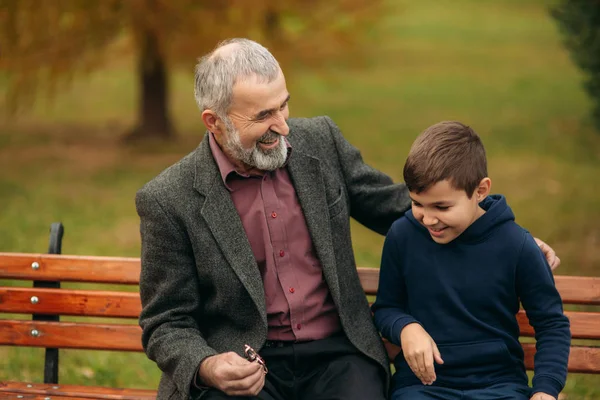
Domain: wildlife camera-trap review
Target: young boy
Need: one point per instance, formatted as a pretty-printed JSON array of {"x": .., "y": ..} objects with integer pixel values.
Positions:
[{"x": 453, "y": 272}]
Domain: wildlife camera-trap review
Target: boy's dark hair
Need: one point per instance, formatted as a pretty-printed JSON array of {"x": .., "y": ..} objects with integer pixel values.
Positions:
[{"x": 447, "y": 150}]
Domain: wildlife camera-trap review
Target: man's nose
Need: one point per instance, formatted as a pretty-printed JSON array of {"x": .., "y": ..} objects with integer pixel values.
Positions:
[{"x": 280, "y": 125}]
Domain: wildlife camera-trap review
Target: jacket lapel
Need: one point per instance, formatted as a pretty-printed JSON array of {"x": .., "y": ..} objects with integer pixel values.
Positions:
[
  {"x": 305, "y": 172},
  {"x": 222, "y": 218}
]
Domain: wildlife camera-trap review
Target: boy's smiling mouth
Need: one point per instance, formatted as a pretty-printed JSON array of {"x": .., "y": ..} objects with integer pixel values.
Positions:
[{"x": 436, "y": 231}]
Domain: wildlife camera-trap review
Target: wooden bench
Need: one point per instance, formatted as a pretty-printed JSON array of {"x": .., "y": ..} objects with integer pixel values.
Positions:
[{"x": 45, "y": 301}]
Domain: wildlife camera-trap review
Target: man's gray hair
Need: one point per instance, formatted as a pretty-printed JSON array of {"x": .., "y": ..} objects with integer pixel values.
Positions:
[{"x": 218, "y": 71}]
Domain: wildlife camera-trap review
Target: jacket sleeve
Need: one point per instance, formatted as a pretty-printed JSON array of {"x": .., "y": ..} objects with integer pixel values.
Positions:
[
  {"x": 543, "y": 305},
  {"x": 390, "y": 307},
  {"x": 375, "y": 201},
  {"x": 170, "y": 334}
]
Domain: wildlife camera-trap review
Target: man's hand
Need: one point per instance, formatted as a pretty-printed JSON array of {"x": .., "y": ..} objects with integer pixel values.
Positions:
[
  {"x": 420, "y": 351},
  {"x": 551, "y": 257},
  {"x": 232, "y": 374},
  {"x": 542, "y": 396}
]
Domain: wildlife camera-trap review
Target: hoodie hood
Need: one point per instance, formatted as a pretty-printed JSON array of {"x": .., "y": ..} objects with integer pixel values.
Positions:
[{"x": 496, "y": 212}]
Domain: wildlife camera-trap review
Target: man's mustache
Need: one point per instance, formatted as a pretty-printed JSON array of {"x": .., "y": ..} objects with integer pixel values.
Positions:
[{"x": 269, "y": 136}]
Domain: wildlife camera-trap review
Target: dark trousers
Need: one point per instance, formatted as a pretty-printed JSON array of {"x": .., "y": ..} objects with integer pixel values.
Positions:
[
  {"x": 328, "y": 369},
  {"x": 501, "y": 391}
]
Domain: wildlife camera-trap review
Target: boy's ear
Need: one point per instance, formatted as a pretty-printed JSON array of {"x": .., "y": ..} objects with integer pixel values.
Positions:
[{"x": 482, "y": 191}]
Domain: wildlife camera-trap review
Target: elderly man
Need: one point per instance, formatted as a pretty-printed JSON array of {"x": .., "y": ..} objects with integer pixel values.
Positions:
[{"x": 246, "y": 241}]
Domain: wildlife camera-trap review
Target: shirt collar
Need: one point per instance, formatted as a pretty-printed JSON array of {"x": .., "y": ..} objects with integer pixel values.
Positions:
[{"x": 225, "y": 165}]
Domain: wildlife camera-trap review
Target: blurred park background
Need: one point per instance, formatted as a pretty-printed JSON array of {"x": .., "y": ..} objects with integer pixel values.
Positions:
[{"x": 87, "y": 122}]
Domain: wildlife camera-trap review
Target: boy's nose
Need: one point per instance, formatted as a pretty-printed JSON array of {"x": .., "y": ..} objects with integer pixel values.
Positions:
[{"x": 429, "y": 219}]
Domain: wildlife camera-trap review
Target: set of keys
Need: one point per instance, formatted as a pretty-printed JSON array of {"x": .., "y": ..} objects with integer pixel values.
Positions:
[{"x": 252, "y": 355}]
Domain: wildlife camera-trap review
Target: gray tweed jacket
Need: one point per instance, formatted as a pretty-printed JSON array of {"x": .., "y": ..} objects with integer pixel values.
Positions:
[{"x": 200, "y": 286}]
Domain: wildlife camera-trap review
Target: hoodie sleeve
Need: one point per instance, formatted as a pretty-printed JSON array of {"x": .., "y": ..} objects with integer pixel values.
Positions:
[
  {"x": 543, "y": 305},
  {"x": 390, "y": 306}
]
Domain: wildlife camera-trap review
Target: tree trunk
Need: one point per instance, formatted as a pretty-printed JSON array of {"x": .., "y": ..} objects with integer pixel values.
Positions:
[
  {"x": 154, "y": 120},
  {"x": 272, "y": 23}
]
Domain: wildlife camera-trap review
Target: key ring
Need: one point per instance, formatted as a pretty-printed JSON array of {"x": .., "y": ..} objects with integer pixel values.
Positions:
[{"x": 252, "y": 355}]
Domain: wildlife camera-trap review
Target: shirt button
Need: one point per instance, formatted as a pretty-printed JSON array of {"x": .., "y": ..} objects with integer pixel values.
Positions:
[
  {"x": 274, "y": 214},
  {"x": 292, "y": 290},
  {"x": 298, "y": 326},
  {"x": 281, "y": 253}
]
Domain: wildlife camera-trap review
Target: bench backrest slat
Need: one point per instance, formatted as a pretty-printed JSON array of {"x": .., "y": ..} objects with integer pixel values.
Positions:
[
  {"x": 126, "y": 270},
  {"x": 369, "y": 278},
  {"x": 70, "y": 335},
  {"x": 572, "y": 289},
  {"x": 123, "y": 304},
  {"x": 578, "y": 289},
  {"x": 29, "y": 396},
  {"x": 584, "y": 325},
  {"x": 92, "y": 303},
  {"x": 581, "y": 359},
  {"x": 74, "y": 392},
  {"x": 122, "y": 270}
]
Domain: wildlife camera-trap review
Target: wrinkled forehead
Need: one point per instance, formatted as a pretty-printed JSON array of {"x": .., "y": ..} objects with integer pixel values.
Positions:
[{"x": 252, "y": 94}]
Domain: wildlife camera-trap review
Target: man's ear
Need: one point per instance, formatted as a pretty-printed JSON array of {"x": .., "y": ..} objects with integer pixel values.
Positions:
[
  {"x": 483, "y": 189},
  {"x": 213, "y": 123}
]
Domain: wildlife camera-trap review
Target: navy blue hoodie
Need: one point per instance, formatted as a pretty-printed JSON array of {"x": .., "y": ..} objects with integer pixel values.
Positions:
[{"x": 466, "y": 293}]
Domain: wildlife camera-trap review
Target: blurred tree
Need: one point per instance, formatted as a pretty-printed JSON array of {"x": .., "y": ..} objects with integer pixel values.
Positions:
[
  {"x": 579, "y": 21},
  {"x": 44, "y": 43}
]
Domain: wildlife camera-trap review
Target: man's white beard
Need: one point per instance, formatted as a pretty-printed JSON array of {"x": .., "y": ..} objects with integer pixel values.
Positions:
[{"x": 264, "y": 160}]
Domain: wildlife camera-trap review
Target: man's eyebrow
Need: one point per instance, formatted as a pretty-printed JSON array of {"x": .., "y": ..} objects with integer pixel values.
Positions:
[{"x": 264, "y": 113}]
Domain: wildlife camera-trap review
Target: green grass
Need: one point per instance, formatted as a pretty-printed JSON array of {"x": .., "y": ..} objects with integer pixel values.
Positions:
[{"x": 496, "y": 65}]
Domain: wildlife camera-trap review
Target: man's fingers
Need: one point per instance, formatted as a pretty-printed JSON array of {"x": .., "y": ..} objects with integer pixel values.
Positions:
[
  {"x": 259, "y": 384},
  {"x": 246, "y": 370},
  {"x": 549, "y": 253},
  {"x": 555, "y": 264},
  {"x": 247, "y": 386},
  {"x": 233, "y": 374},
  {"x": 237, "y": 372}
]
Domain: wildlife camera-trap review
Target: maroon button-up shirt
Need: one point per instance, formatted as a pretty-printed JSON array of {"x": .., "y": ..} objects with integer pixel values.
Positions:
[{"x": 299, "y": 305}]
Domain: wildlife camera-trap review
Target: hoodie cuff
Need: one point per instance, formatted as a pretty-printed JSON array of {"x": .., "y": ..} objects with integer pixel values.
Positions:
[
  {"x": 398, "y": 326},
  {"x": 548, "y": 385}
]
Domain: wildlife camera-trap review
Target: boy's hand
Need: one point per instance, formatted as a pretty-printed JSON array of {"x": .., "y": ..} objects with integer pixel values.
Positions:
[
  {"x": 542, "y": 396},
  {"x": 420, "y": 351}
]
